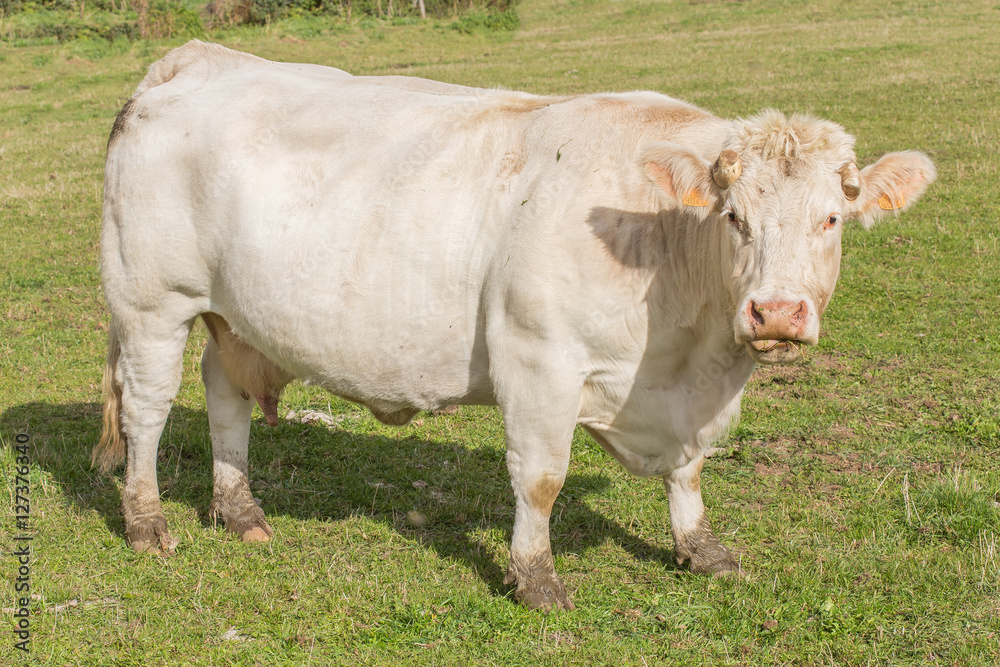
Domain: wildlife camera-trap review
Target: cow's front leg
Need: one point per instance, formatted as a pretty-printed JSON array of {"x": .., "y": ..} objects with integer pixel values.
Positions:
[
  {"x": 694, "y": 540},
  {"x": 537, "y": 475},
  {"x": 229, "y": 423},
  {"x": 539, "y": 426}
]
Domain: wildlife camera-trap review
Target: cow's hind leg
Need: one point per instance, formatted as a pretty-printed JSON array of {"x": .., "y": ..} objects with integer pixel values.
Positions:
[
  {"x": 694, "y": 541},
  {"x": 229, "y": 410},
  {"x": 147, "y": 372}
]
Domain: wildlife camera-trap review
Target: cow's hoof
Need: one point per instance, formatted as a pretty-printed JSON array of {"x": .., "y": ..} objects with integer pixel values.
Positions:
[
  {"x": 258, "y": 531},
  {"x": 715, "y": 561},
  {"x": 704, "y": 553},
  {"x": 545, "y": 592},
  {"x": 241, "y": 516},
  {"x": 729, "y": 570},
  {"x": 545, "y": 600},
  {"x": 151, "y": 536}
]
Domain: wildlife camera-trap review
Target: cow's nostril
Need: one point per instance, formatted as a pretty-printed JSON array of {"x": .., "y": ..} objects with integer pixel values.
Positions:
[
  {"x": 799, "y": 316},
  {"x": 756, "y": 313}
]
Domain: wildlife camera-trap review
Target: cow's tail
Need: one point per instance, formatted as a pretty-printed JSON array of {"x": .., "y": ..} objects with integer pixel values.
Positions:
[{"x": 110, "y": 449}]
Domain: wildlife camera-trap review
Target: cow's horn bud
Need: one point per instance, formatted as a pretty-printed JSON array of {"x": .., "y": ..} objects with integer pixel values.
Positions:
[
  {"x": 727, "y": 169},
  {"x": 850, "y": 179}
]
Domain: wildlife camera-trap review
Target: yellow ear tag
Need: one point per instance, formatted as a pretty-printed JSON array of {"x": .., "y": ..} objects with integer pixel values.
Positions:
[
  {"x": 887, "y": 204},
  {"x": 694, "y": 198}
]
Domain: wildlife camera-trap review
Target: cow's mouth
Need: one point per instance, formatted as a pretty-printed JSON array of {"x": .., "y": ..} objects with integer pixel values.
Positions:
[{"x": 775, "y": 351}]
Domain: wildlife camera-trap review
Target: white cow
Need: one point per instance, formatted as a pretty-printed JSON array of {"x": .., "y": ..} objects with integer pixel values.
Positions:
[{"x": 619, "y": 261}]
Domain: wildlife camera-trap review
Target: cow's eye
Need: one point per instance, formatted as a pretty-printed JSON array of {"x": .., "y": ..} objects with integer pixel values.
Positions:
[
  {"x": 831, "y": 222},
  {"x": 734, "y": 219}
]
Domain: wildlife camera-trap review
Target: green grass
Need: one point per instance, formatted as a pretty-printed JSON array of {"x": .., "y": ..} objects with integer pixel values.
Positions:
[{"x": 861, "y": 487}]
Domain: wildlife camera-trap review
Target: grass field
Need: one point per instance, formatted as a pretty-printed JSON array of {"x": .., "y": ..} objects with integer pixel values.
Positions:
[{"x": 860, "y": 488}]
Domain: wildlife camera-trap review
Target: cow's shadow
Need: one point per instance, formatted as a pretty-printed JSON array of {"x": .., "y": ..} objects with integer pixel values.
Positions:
[{"x": 440, "y": 494}]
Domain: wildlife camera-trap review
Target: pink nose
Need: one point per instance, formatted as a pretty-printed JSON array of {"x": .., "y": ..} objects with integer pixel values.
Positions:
[{"x": 777, "y": 320}]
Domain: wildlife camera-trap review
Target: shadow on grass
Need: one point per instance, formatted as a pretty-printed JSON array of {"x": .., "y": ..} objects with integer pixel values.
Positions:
[{"x": 311, "y": 472}]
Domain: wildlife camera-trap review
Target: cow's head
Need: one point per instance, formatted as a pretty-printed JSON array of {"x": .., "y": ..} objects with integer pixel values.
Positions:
[{"x": 781, "y": 190}]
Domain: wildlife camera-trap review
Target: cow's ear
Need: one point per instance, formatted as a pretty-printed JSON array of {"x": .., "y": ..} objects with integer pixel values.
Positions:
[
  {"x": 681, "y": 175},
  {"x": 892, "y": 184}
]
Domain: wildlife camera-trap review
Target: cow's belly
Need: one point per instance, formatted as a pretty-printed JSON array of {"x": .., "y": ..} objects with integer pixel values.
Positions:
[
  {"x": 386, "y": 317},
  {"x": 369, "y": 351}
]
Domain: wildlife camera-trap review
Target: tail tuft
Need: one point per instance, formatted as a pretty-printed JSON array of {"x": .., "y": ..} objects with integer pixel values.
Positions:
[{"x": 110, "y": 450}]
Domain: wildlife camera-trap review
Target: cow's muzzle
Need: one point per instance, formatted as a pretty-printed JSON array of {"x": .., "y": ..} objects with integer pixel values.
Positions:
[{"x": 777, "y": 330}]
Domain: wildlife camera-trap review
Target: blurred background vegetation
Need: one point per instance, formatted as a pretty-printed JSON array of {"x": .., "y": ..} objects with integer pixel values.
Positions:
[{"x": 30, "y": 22}]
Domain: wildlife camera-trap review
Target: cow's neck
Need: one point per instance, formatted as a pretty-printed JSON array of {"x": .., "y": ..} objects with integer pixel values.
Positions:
[{"x": 690, "y": 373}]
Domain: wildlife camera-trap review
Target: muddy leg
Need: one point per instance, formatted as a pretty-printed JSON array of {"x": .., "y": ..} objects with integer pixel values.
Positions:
[
  {"x": 229, "y": 424},
  {"x": 539, "y": 417},
  {"x": 694, "y": 541},
  {"x": 149, "y": 373},
  {"x": 531, "y": 565}
]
